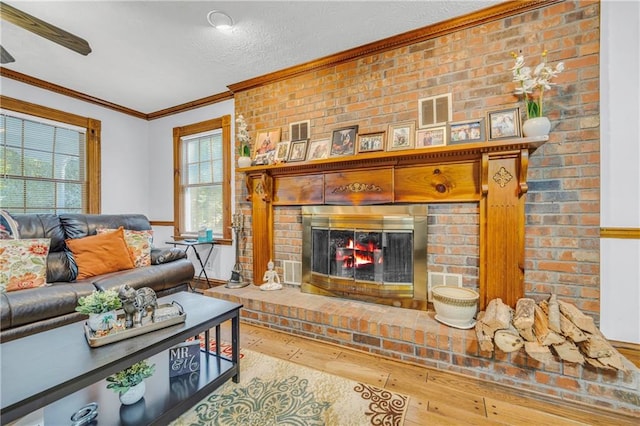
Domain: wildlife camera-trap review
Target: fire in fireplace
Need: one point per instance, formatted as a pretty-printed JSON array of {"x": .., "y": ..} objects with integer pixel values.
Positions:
[{"x": 371, "y": 253}]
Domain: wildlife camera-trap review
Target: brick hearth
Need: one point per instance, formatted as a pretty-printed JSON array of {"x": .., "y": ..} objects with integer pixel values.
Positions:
[{"x": 416, "y": 337}]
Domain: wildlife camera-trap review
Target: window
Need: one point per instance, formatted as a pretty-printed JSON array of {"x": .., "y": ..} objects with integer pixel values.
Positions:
[
  {"x": 49, "y": 160},
  {"x": 202, "y": 184}
]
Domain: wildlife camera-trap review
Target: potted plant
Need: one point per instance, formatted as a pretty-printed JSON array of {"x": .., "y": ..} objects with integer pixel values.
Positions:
[
  {"x": 100, "y": 306},
  {"x": 244, "y": 151},
  {"x": 532, "y": 85},
  {"x": 129, "y": 383}
]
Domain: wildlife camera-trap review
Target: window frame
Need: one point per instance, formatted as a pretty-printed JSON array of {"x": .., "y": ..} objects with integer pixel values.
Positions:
[
  {"x": 221, "y": 123},
  {"x": 93, "y": 130}
]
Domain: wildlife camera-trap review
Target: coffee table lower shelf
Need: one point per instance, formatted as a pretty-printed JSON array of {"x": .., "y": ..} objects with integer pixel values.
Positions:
[{"x": 165, "y": 399}]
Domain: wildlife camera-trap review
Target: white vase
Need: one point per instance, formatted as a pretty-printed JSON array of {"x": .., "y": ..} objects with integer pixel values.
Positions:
[
  {"x": 244, "y": 162},
  {"x": 103, "y": 321},
  {"x": 133, "y": 394},
  {"x": 537, "y": 126}
]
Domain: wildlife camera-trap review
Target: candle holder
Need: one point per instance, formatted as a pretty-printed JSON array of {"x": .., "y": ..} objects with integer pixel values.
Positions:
[{"x": 236, "y": 280}]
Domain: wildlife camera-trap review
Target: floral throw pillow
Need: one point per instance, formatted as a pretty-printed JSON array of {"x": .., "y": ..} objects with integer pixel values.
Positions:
[
  {"x": 138, "y": 243},
  {"x": 23, "y": 263}
]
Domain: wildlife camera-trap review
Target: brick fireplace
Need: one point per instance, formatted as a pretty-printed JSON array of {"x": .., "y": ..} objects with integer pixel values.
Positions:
[{"x": 552, "y": 237}]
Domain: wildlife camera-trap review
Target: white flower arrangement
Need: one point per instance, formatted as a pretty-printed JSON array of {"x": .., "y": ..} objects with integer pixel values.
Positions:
[
  {"x": 534, "y": 81},
  {"x": 243, "y": 137}
]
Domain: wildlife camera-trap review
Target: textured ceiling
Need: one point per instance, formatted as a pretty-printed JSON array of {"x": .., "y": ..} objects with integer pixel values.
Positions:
[{"x": 152, "y": 55}]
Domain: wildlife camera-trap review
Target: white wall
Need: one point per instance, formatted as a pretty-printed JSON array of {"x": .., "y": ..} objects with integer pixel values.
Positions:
[
  {"x": 620, "y": 171},
  {"x": 137, "y": 161},
  {"x": 125, "y": 147}
]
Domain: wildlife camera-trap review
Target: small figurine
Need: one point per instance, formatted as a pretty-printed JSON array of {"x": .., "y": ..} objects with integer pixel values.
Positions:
[
  {"x": 271, "y": 279},
  {"x": 136, "y": 302}
]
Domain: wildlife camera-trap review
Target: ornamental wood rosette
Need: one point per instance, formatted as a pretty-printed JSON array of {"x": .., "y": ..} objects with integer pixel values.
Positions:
[{"x": 356, "y": 187}]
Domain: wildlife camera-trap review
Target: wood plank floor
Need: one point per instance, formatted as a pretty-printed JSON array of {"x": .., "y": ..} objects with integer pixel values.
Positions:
[{"x": 435, "y": 397}]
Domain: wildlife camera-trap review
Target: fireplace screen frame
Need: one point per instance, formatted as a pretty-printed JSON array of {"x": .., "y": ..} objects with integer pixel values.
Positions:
[{"x": 376, "y": 218}]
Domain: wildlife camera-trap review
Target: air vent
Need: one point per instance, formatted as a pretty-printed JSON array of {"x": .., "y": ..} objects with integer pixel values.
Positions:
[
  {"x": 440, "y": 278},
  {"x": 292, "y": 272}
]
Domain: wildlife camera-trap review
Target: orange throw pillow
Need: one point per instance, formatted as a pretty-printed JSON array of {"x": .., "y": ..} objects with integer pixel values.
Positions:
[{"x": 100, "y": 254}]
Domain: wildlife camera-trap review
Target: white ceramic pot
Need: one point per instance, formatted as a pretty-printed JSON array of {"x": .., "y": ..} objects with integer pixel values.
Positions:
[
  {"x": 134, "y": 394},
  {"x": 102, "y": 321},
  {"x": 537, "y": 126},
  {"x": 455, "y": 306},
  {"x": 244, "y": 162}
]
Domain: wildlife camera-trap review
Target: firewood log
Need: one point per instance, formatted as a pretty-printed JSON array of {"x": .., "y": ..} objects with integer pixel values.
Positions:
[
  {"x": 524, "y": 317},
  {"x": 497, "y": 316},
  {"x": 541, "y": 329},
  {"x": 576, "y": 316},
  {"x": 570, "y": 330},
  {"x": 615, "y": 360},
  {"x": 596, "y": 346},
  {"x": 568, "y": 351},
  {"x": 538, "y": 352},
  {"x": 508, "y": 340},
  {"x": 484, "y": 340},
  {"x": 553, "y": 313}
]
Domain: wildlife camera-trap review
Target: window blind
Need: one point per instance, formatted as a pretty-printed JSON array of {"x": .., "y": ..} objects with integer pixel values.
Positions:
[{"x": 42, "y": 166}]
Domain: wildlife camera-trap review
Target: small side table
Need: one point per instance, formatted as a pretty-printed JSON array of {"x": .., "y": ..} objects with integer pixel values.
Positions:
[{"x": 193, "y": 244}]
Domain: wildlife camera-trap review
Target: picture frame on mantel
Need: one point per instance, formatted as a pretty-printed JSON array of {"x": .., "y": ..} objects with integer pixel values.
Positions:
[
  {"x": 297, "y": 151},
  {"x": 343, "y": 141},
  {"x": 504, "y": 124},
  {"x": 318, "y": 149},
  {"x": 266, "y": 141},
  {"x": 401, "y": 136},
  {"x": 431, "y": 137},
  {"x": 468, "y": 131},
  {"x": 371, "y": 142},
  {"x": 282, "y": 151}
]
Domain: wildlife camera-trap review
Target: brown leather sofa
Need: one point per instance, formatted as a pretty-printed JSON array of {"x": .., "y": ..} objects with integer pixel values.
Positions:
[{"x": 34, "y": 310}]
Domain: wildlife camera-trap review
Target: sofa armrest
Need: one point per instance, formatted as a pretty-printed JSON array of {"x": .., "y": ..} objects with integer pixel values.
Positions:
[{"x": 166, "y": 254}]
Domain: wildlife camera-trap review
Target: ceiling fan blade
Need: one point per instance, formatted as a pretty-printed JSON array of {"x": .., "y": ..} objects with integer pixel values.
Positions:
[
  {"x": 5, "y": 57},
  {"x": 44, "y": 29}
]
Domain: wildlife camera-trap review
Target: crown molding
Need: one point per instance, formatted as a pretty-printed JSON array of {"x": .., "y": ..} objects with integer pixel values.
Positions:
[
  {"x": 198, "y": 103},
  {"x": 36, "y": 82},
  {"x": 492, "y": 13}
]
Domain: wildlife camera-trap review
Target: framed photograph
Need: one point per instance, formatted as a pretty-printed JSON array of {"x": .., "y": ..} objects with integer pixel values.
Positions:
[
  {"x": 266, "y": 141},
  {"x": 504, "y": 124},
  {"x": 318, "y": 150},
  {"x": 432, "y": 136},
  {"x": 370, "y": 142},
  {"x": 260, "y": 159},
  {"x": 467, "y": 131},
  {"x": 401, "y": 136},
  {"x": 434, "y": 111},
  {"x": 282, "y": 151},
  {"x": 343, "y": 141},
  {"x": 297, "y": 151}
]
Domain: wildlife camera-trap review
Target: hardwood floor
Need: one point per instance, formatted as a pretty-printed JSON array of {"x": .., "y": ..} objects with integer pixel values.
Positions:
[{"x": 435, "y": 397}]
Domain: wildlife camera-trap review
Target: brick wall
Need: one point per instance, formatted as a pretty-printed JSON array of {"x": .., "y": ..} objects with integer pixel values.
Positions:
[{"x": 562, "y": 210}]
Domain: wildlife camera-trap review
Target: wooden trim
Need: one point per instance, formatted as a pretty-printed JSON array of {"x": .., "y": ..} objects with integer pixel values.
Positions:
[
  {"x": 223, "y": 123},
  {"x": 23, "y": 78},
  {"x": 36, "y": 82},
  {"x": 93, "y": 155},
  {"x": 493, "y": 13},
  {"x": 94, "y": 166},
  {"x": 623, "y": 233},
  {"x": 209, "y": 100},
  {"x": 161, "y": 223}
]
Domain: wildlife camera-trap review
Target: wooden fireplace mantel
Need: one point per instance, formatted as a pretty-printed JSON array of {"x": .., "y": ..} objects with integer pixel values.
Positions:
[{"x": 494, "y": 174}]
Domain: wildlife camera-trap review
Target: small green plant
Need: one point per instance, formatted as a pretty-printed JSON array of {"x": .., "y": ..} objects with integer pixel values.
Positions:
[
  {"x": 99, "y": 302},
  {"x": 129, "y": 377}
]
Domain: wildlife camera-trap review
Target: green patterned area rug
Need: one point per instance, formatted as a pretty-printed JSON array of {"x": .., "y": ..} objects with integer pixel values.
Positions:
[{"x": 276, "y": 392}]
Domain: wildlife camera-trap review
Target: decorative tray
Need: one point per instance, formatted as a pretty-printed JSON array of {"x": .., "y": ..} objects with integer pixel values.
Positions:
[{"x": 166, "y": 315}]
